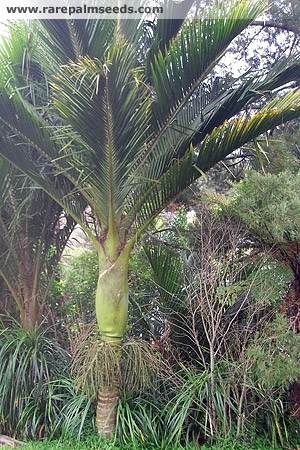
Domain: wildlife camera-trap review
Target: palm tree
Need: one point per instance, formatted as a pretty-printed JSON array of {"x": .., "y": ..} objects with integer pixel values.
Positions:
[
  {"x": 33, "y": 228},
  {"x": 33, "y": 233},
  {"x": 135, "y": 126}
]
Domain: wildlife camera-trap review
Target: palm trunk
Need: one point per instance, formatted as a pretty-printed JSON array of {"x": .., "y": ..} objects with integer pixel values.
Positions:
[
  {"x": 106, "y": 412},
  {"x": 112, "y": 312},
  {"x": 30, "y": 315}
]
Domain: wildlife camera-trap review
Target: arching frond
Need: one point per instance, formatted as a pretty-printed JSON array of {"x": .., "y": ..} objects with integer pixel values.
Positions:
[
  {"x": 234, "y": 134},
  {"x": 203, "y": 113},
  {"x": 154, "y": 194},
  {"x": 194, "y": 52}
]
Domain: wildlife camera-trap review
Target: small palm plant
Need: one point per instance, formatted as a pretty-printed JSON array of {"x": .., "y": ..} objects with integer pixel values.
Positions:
[{"x": 135, "y": 124}]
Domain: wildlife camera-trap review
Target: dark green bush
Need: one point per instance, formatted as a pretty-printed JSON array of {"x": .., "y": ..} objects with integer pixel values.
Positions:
[{"x": 30, "y": 404}]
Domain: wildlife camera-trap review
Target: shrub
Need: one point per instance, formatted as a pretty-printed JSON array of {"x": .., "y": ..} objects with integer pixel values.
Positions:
[{"x": 30, "y": 403}]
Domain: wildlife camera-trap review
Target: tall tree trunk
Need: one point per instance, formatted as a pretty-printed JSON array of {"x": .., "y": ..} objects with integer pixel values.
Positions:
[
  {"x": 291, "y": 305},
  {"x": 112, "y": 312},
  {"x": 291, "y": 309}
]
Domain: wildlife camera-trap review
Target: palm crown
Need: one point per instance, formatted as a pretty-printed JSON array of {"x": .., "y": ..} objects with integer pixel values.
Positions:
[{"x": 128, "y": 126}]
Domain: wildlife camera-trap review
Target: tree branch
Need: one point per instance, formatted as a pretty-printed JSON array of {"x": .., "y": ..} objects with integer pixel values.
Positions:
[{"x": 262, "y": 23}]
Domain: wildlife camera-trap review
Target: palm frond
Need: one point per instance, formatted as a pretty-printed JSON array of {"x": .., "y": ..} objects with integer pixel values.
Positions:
[
  {"x": 20, "y": 64},
  {"x": 202, "y": 114},
  {"x": 58, "y": 188},
  {"x": 107, "y": 105},
  {"x": 194, "y": 52},
  {"x": 167, "y": 270},
  {"x": 70, "y": 39},
  {"x": 37, "y": 151},
  {"x": 211, "y": 114},
  {"x": 31, "y": 237},
  {"x": 234, "y": 134},
  {"x": 153, "y": 194},
  {"x": 121, "y": 144},
  {"x": 162, "y": 31},
  {"x": 6, "y": 169}
]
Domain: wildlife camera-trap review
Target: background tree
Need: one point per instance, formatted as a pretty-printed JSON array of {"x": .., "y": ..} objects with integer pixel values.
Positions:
[
  {"x": 269, "y": 205},
  {"x": 33, "y": 234},
  {"x": 270, "y": 37}
]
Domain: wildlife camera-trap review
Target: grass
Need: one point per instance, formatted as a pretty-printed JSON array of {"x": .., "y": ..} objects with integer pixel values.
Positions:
[
  {"x": 100, "y": 445},
  {"x": 94, "y": 443}
]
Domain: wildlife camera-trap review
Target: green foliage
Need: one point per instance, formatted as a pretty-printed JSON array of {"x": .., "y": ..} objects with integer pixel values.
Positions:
[
  {"x": 249, "y": 442},
  {"x": 229, "y": 296},
  {"x": 140, "y": 422},
  {"x": 271, "y": 362},
  {"x": 274, "y": 353},
  {"x": 139, "y": 273},
  {"x": 138, "y": 168},
  {"x": 38, "y": 398},
  {"x": 134, "y": 157},
  {"x": 31, "y": 243},
  {"x": 179, "y": 416},
  {"x": 79, "y": 276},
  {"x": 271, "y": 281},
  {"x": 151, "y": 421},
  {"x": 174, "y": 234},
  {"x": 270, "y": 205},
  {"x": 77, "y": 416},
  {"x": 167, "y": 272},
  {"x": 282, "y": 153},
  {"x": 30, "y": 403},
  {"x": 95, "y": 443},
  {"x": 171, "y": 416}
]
